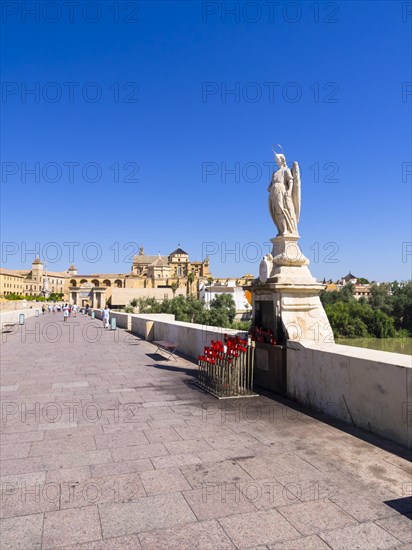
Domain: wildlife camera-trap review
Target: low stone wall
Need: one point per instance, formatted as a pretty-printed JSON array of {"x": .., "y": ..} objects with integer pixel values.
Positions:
[
  {"x": 98, "y": 313},
  {"x": 368, "y": 388},
  {"x": 189, "y": 337},
  {"x": 143, "y": 325},
  {"x": 13, "y": 316},
  {"x": 123, "y": 320}
]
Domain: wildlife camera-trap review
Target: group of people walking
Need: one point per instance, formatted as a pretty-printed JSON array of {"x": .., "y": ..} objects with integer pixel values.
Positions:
[
  {"x": 70, "y": 310},
  {"x": 54, "y": 308}
]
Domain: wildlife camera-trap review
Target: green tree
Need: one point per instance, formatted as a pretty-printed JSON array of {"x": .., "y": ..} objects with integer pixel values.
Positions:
[
  {"x": 174, "y": 286},
  {"x": 190, "y": 279},
  {"x": 147, "y": 305},
  {"x": 402, "y": 306},
  {"x": 56, "y": 297},
  {"x": 380, "y": 298},
  {"x": 329, "y": 297},
  {"x": 226, "y": 304},
  {"x": 346, "y": 294},
  {"x": 191, "y": 310}
]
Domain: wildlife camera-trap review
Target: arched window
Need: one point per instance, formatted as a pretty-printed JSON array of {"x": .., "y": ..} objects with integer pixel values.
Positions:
[
  {"x": 73, "y": 282},
  {"x": 95, "y": 282},
  {"x": 83, "y": 281},
  {"x": 118, "y": 283},
  {"x": 106, "y": 282}
]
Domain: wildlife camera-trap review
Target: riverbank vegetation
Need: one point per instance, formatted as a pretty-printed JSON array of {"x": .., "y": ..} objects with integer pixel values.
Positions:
[{"x": 387, "y": 313}]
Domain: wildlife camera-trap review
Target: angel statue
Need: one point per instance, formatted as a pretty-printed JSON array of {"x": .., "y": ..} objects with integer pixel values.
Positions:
[{"x": 284, "y": 197}]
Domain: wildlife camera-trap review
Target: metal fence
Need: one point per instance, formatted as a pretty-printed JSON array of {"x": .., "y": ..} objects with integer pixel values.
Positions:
[{"x": 226, "y": 369}]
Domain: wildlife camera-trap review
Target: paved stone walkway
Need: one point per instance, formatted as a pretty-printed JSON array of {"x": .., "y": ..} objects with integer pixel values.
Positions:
[{"x": 106, "y": 447}]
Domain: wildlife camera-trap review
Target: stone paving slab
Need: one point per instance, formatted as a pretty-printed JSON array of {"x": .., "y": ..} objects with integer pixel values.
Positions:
[
  {"x": 312, "y": 542},
  {"x": 22, "y": 532},
  {"x": 153, "y": 512},
  {"x": 249, "y": 530},
  {"x": 316, "y": 516},
  {"x": 207, "y": 535},
  {"x": 71, "y": 526},
  {"x": 106, "y": 448},
  {"x": 363, "y": 536}
]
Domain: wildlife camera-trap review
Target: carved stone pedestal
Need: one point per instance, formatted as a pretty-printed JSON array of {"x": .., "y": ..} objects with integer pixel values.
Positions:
[{"x": 286, "y": 296}]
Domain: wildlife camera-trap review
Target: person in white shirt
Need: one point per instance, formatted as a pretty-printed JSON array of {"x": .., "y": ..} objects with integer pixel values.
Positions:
[{"x": 106, "y": 316}]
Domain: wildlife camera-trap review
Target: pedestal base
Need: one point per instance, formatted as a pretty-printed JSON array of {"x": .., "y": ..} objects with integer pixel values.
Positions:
[{"x": 286, "y": 298}]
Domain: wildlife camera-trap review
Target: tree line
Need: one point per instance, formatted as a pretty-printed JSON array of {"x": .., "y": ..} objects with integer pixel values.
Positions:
[
  {"x": 221, "y": 313},
  {"x": 387, "y": 313},
  {"x": 53, "y": 297}
]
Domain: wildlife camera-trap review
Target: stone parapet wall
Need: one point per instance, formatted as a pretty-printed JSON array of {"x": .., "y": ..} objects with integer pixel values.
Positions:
[
  {"x": 190, "y": 338},
  {"x": 367, "y": 388},
  {"x": 12, "y": 305},
  {"x": 123, "y": 320},
  {"x": 13, "y": 316}
]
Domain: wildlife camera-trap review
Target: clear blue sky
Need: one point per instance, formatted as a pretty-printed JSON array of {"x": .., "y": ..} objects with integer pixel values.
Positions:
[{"x": 328, "y": 81}]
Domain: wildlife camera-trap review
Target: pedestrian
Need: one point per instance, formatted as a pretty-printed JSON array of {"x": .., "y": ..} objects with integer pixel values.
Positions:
[
  {"x": 106, "y": 317},
  {"x": 43, "y": 309},
  {"x": 65, "y": 313}
]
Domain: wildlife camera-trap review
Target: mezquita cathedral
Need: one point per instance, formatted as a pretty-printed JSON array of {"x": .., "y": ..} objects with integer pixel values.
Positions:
[{"x": 150, "y": 276}]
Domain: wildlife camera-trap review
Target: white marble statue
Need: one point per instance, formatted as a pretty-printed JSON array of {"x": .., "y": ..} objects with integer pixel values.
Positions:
[{"x": 284, "y": 197}]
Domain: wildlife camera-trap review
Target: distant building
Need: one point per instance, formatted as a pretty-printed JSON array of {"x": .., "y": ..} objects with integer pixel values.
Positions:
[
  {"x": 233, "y": 287},
  {"x": 359, "y": 290},
  {"x": 150, "y": 276},
  {"x": 349, "y": 278},
  {"x": 158, "y": 276},
  {"x": 154, "y": 276},
  {"x": 33, "y": 282}
]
